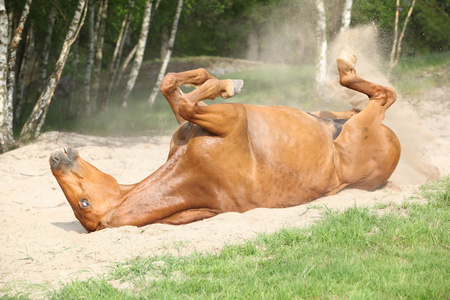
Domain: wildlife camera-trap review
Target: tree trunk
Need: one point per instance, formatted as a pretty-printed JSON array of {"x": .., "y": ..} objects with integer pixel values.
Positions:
[
  {"x": 86, "y": 107},
  {"x": 321, "y": 60},
  {"x": 133, "y": 51},
  {"x": 165, "y": 30},
  {"x": 346, "y": 15},
  {"x": 397, "y": 44},
  {"x": 98, "y": 55},
  {"x": 336, "y": 18},
  {"x": 6, "y": 134},
  {"x": 139, "y": 55},
  {"x": 126, "y": 62},
  {"x": 20, "y": 96},
  {"x": 46, "y": 48},
  {"x": 11, "y": 81},
  {"x": 73, "y": 82},
  {"x": 169, "y": 52},
  {"x": 32, "y": 127},
  {"x": 394, "y": 43},
  {"x": 114, "y": 66},
  {"x": 10, "y": 27}
]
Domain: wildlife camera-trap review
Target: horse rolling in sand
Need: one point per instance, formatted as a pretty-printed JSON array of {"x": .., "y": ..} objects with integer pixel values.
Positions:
[{"x": 234, "y": 157}]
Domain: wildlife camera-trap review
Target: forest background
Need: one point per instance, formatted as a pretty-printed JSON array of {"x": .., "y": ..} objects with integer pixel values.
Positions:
[{"x": 106, "y": 41}]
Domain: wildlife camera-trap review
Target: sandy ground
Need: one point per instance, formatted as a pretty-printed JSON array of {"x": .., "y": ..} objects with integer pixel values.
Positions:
[{"x": 43, "y": 245}]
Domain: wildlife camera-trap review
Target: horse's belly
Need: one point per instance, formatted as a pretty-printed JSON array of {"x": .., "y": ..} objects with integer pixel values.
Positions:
[{"x": 294, "y": 157}]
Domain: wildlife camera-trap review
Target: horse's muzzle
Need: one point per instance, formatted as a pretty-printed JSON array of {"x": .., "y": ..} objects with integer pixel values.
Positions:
[{"x": 63, "y": 158}]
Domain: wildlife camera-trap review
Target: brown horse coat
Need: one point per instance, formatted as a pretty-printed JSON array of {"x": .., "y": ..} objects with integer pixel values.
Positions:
[{"x": 236, "y": 157}]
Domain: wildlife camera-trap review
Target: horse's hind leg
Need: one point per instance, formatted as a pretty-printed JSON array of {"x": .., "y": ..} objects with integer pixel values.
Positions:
[
  {"x": 367, "y": 151},
  {"x": 170, "y": 87},
  {"x": 346, "y": 66}
]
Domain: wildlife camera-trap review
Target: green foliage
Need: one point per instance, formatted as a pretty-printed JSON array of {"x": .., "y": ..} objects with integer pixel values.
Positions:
[
  {"x": 418, "y": 74},
  {"x": 430, "y": 26},
  {"x": 380, "y": 12},
  {"x": 427, "y": 30}
]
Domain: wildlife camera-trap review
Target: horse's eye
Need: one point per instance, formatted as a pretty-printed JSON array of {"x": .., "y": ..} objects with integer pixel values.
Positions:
[{"x": 84, "y": 203}]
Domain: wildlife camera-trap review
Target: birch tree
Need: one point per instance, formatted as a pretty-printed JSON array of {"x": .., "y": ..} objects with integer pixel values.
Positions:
[
  {"x": 98, "y": 54},
  {"x": 47, "y": 43},
  {"x": 397, "y": 43},
  {"x": 20, "y": 96},
  {"x": 10, "y": 27},
  {"x": 32, "y": 127},
  {"x": 6, "y": 134},
  {"x": 73, "y": 82},
  {"x": 6, "y": 122},
  {"x": 336, "y": 17},
  {"x": 346, "y": 15},
  {"x": 139, "y": 55},
  {"x": 130, "y": 56},
  {"x": 163, "y": 69},
  {"x": 86, "y": 106},
  {"x": 126, "y": 62},
  {"x": 114, "y": 66},
  {"x": 321, "y": 60}
]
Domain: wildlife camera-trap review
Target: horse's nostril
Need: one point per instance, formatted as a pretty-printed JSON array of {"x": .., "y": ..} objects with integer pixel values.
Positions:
[{"x": 54, "y": 162}]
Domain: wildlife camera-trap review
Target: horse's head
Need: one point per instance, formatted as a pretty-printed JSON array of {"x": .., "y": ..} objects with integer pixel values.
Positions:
[{"x": 90, "y": 192}]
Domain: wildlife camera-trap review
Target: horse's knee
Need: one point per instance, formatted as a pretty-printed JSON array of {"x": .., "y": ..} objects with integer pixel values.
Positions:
[
  {"x": 348, "y": 78},
  {"x": 202, "y": 73},
  {"x": 391, "y": 96},
  {"x": 186, "y": 108},
  {"x": 169, "y": 83},
  {"x": 386, "y": 95}
]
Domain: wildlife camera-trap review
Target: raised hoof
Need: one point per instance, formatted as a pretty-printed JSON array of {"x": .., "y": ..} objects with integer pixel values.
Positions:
[
  {"x": 347, "y": 56},
  {"x": 232, "y": 88},
  {"x": 237, "y": 86}
]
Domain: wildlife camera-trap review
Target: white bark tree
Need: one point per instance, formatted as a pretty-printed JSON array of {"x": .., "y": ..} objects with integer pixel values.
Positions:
[
  {"x": 6, "y": 134},
  {"x": 86, "y": 106},
  {"x": 20, "y": 96},
  {"x": 321, "y": 60},
  {"x": 130, "y": 56},
  {"x": 346, "y": 15},
  {"x": 126, "y": 62},
  {"x": 10, "y": 27},
  {"x": 47, "y": 43},
  {"x": 163, "y": 69},
  {"x": 397, "y": 43},
  {"x": 114, "y": 66},
  {"x": 139, "y": 55},
  {"x": 98, "y": 54},
  {"x": 32, "y": 127},
  {"x": 7, "y": 119},
  {"x": 73, "y": 82}
]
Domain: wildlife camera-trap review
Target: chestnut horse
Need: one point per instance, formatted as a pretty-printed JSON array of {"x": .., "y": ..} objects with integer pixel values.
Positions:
[{"x": 234, "y": 157}]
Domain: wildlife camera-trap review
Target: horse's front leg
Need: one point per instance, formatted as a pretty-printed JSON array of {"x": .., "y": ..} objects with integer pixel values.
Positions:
[
  {"x": 170, "y": 88},
  {"x": 216, "y": 119}
]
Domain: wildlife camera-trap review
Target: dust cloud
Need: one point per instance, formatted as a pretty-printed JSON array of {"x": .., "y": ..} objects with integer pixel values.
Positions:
[
  {"x": 416, "y": 164},
  {"x": 289, "y": 38}
]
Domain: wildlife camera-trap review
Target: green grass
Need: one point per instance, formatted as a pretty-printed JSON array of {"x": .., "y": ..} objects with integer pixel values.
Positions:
[
  {"x": 355, "y": 254},
  {"x": 416, "y": 74}
]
